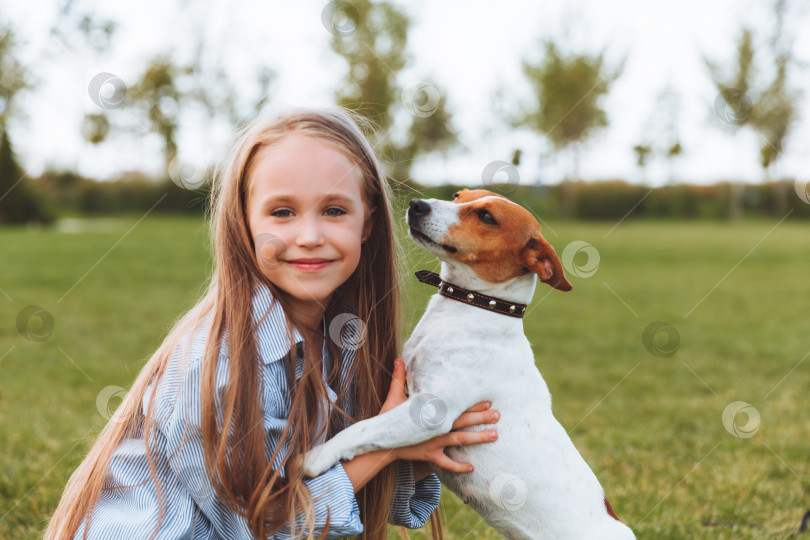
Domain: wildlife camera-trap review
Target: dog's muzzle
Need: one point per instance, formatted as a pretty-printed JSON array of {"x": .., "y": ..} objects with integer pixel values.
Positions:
[{"x": 417, "y": 210}]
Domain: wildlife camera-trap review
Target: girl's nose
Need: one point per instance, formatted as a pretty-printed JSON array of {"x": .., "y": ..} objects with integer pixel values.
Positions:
[{"x": 310, "y": 232}]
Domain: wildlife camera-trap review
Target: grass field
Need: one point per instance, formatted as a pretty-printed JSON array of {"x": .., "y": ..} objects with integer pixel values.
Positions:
[{"x": 736, "y": 297}]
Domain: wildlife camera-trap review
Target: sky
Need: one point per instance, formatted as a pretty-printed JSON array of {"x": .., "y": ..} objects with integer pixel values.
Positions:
[{"x": 473, "y": 51}]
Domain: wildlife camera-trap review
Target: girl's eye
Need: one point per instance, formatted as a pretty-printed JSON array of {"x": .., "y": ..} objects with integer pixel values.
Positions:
[
  {"x": 278, "y": 213},
  {"x": 339, "y": 211},
  {"x": 486, "y": 217}
]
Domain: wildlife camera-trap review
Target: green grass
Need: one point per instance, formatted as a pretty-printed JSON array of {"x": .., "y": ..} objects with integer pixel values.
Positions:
[{"x": 650, "y": 427}]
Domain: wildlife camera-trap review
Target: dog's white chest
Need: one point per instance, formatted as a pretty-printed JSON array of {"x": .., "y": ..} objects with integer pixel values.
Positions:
[{"x": 532, "y": 478}]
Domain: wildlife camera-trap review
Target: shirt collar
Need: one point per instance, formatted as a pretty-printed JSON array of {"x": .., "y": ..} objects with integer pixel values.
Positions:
[{"x": 271, "y": 331}]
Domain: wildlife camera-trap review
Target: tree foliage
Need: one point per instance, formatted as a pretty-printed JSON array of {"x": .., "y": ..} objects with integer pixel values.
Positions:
[
  {"x": 14, "y": 77},
  {"x": 372, "y": 37},
  {"x": 567, "y": 93},
  {"x": 19, "y": 203}
]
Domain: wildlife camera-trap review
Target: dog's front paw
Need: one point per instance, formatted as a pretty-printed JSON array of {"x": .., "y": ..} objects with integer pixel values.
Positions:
[{"x": 318, "y": 460}]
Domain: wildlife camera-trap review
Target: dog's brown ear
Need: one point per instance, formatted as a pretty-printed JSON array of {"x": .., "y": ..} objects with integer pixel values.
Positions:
[{"x": 539, "y": 257}]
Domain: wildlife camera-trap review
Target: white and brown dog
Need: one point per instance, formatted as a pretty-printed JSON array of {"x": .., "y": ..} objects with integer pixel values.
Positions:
[{"x": 470, "y": 347}]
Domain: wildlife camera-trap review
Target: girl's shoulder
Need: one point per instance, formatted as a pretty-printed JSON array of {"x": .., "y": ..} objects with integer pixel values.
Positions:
[
  {"x": 179, "y": 383},
  {"x": 178, "y": 387}
]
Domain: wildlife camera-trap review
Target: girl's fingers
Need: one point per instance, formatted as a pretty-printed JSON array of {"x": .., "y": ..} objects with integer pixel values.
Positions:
[
  {"x": 458, "y": 438},
  {"x": 468, "y": 419},
  {"x": 481, "y": 406},
  {"x": 442, "y": 460}
]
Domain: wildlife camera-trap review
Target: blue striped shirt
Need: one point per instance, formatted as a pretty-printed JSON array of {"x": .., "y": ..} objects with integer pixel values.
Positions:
[{"x": 193, "y": 508}]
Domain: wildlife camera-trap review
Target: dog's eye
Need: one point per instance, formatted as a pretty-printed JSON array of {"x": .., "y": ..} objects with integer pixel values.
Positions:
[
  {"x": 486, "y": 217},
  {"x": 455, "y": 195}
]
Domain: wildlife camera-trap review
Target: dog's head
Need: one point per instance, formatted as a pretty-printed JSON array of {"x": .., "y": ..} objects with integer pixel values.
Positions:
[{"x": 496, "y": 238}]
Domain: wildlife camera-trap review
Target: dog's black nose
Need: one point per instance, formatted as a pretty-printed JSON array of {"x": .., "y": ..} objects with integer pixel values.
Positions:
[{"x": 419, "y": 207}]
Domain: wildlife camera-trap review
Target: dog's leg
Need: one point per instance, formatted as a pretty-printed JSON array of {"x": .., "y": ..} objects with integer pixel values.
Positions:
[{"x": 421, "y": 417}]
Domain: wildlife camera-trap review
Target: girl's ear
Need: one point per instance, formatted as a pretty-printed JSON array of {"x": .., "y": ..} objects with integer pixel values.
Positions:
[{"x": 367, "y": 226}]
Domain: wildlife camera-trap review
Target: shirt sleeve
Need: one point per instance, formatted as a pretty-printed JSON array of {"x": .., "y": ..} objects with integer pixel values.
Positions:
[
  {"x": 413, "y": 502},
  {"x": 332, "y": 491}
]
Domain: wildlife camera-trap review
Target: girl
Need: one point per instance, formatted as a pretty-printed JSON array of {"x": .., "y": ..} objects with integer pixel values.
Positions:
[{"x": 294, "y": 339}]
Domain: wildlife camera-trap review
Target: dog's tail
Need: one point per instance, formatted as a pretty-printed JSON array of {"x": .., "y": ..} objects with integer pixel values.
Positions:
[{"x": 610, "y": 510}]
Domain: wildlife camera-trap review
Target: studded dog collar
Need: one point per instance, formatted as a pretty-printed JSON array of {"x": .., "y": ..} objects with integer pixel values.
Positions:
[{"x": 490, "y": 303}]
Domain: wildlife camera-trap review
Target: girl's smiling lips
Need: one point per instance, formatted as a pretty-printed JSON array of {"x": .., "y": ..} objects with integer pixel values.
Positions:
[{"x": 310, "y": 265}]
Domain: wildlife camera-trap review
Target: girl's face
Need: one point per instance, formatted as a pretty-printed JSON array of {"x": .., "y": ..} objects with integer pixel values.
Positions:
[{"x": 306, "y": 215}]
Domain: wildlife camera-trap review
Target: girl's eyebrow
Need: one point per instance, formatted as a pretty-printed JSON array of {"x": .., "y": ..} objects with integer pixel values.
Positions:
[{"x": 332, "y": 197}]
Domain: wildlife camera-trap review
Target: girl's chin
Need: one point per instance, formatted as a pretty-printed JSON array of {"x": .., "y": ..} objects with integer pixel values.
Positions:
[{"x": 308, "y": 295}]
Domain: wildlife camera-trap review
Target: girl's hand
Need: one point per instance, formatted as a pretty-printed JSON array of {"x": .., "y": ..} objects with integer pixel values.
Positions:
[{"x": 433, "y": 449}]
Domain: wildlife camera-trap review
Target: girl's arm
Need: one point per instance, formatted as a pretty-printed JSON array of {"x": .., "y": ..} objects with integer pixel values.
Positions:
[
  {"x": 364, "y": 467},
  {"x": 412, "y": 503}
]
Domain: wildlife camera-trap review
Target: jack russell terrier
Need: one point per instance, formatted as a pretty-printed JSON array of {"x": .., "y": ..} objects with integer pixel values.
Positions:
[{"x": 470, "y": 347}]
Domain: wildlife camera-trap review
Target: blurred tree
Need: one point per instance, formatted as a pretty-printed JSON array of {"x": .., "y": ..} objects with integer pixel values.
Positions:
[
  {"x": 156, "y": 98},
  {"x": 770, "y": 111},
  {"x": 673, "y": 152},
  {"x": 372, "y": 38},
  {"x": 160, "y": 100},
  {"x": 516, "y": 155},
  {"x": 210, "y": 86},
  {"x": 95, "y": 128},
  {"x": 733, "y": 104},
  {"x": 18, "y": 202},
  {"x": 642, "y": 152},
  {"x": 164, "y": 90},
  {"x": 775, "y": 112},
  {"x": 669, "y": 144},
  {"x": 77, "y": 26},
  {"x": 566, "y": 109},
  {"x": 661, "y": 137},
  {"x": 14, "y": 78}
]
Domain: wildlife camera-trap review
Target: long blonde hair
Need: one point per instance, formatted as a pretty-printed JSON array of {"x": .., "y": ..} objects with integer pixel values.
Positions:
[{"x": 241, "y": 474}]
